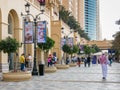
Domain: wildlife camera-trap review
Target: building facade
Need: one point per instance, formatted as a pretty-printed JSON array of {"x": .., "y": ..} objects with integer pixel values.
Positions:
[
  {"x": 86, "y": 13},
  {"x": 102, "y": 44},
  {"x": 76, "y": 7},
  {"x": 91, "y": 13},
  {"x": 11, "y": 24},
  {"x": 81, "y": 15},
  {"x": 99, "y": 31}
]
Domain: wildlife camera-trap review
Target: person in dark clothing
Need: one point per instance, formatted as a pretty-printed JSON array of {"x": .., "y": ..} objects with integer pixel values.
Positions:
[
  {"x": 110, "y": 59},
  {"x": 88, "y": 60},
  {"x": 67, "y": 61},
  {"x": 78, "y": 61},
  {"x": 26, "y": 62},
  {"x": 85, "y": 61}
]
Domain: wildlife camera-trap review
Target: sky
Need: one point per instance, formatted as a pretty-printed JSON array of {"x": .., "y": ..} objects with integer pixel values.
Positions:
[{"x": 109, "y": 14}]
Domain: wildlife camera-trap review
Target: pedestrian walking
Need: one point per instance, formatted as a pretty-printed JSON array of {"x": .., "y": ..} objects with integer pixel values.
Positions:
[
  {"x": 88, "y": 60},
  {"x": 85, "y": 61},
  {"x": 22, "y": 62},
  {"x": 26, "y": 61},
  {"x": 54, "y": 59},
  {"x": 49, "y": 61},
  {"x": 67, "y": 60},
  {"x": 30, "y": 61},
  {"x": 78, "y": 61},
  {"x": 72, "y": 59},
  {"x": 110, "y": 59},
  {"x": 103, "y": 61}
]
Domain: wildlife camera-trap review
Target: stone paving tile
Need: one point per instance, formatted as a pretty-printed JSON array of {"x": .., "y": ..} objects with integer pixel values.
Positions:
[{"x": 74, "y": 78}]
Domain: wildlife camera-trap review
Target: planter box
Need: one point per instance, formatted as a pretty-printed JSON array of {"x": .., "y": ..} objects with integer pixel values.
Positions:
[
  {"x": 61, "y": 66},
  {"x": 16, "y": 76},
  {"x": 50, "y": 69},
  {"x": 72, "y": 64}
]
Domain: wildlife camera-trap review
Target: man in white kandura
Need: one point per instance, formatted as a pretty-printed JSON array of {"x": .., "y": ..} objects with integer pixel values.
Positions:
[{"x": 103, "y": 61}]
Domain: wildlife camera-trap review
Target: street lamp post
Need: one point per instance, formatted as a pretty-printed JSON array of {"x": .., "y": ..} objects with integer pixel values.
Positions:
[
  {"x": 27, "y": 10},
  {"x": 66, "y": 37}
]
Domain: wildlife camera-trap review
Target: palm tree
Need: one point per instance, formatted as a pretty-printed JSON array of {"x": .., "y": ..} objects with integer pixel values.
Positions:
[
  {"x": 70, "y": 20},
  {"x": 83, "y": 34},
  {"x": 64, "y": 14}
]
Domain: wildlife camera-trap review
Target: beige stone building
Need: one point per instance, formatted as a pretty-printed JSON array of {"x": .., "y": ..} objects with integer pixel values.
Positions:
[
  {"x": 58, "y": 34},
  {"x": 11, "y": 24},
  {"x": 102, "y": 44},
  {"x": 76, "y": 7}
]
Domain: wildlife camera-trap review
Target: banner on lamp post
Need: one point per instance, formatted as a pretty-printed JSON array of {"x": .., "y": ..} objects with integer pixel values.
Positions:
[
  {"x": 70, "y": 41},
  {"x": 63, "y": 42},
  {"x": 81, "y": 47},
  {"x": 28, "y": 32},
  {"x": 41, "y": 32}
]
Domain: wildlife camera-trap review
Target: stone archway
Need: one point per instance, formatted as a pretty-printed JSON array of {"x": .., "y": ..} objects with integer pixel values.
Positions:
[
  {"x": 13, "y": 31},
  {"x": 15, "y": 76}
]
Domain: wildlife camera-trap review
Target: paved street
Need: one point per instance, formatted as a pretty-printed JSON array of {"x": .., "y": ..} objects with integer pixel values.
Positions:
[{"x": 74, "y": 78}]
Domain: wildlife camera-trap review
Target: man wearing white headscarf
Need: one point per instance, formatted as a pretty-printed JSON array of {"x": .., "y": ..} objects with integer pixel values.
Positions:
[{"x": 103, "y": 61}]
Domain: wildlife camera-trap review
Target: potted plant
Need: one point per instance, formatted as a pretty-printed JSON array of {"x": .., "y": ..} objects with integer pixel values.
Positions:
[
  {"x": 10, "y": 45},
  {"x": 46, "y": 47}
]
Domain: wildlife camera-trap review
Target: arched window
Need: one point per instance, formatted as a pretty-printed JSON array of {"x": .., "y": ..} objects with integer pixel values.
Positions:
[{"x": 10, "y": 24}]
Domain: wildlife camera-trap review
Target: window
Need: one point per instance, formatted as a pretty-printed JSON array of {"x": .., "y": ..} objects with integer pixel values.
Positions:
[{"x": 10, "y": 24}]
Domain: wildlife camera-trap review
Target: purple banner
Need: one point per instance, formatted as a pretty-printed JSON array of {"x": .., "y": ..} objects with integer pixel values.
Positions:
[
  {"x": 41, "y": 32},
  {"x": 28, "y": 32},
  {"x": 63, "y": 41},
  {"x": 81, "y": 47},
  {"x": 70, "y": 41}
]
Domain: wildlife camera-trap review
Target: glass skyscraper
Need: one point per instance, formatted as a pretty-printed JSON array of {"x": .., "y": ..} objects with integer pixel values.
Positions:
[{"x": 91, "y": 16}]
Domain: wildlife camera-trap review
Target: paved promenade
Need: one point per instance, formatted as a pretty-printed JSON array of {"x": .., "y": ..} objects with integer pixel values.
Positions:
[{"x": 74, "y": 78}]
